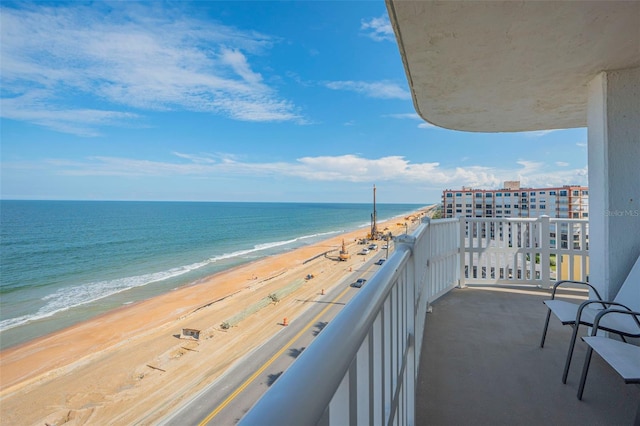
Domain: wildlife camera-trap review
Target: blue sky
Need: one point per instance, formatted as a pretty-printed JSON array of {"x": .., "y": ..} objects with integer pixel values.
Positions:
[{"x": 236, "y": 101}]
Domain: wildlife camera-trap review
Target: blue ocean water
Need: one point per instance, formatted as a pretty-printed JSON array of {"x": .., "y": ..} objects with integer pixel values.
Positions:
[{"x": 62, "y": 262}]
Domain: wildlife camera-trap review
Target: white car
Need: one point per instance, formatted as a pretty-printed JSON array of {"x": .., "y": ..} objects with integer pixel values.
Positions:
[{"x": 364, "y": 251}]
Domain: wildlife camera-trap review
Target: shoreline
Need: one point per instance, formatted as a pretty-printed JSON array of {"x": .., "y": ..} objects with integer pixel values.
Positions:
[
  {"x": 57, "y": 309},
  {"x": 120, "y": 348}
]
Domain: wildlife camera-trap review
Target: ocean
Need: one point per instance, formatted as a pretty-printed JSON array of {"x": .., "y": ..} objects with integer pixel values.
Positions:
[{"x": 62, "y": 262}]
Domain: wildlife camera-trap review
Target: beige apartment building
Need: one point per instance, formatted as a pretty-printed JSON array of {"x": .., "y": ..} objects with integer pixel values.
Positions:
[{"x": 569, "y": 201}]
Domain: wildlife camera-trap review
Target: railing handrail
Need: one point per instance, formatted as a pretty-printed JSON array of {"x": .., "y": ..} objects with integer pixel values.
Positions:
[{"x": 309, "y": 384}]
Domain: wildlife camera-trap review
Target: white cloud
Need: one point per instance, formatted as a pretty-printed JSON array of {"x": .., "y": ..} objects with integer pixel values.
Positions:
[
  {"x": 413, "y": 116},
  {"x": 562, "y": 163},
  {"x": 342, "y": 168},
  {"x": 406, "y": 115},
  {"x": 380, "y": 89},
  {"x": 539, "y": 133},
  {"x": 581, "y": 144},
  {"x": 132, "y": 56},
  {"x": 378, "y": 29},
  {"x": 34, "y": 108},
  {"x": 529, "y": 166}
]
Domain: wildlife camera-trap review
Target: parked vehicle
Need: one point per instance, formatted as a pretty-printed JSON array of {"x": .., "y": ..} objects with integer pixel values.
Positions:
[
  {"x": 364, "y": 251},
  {"x": 373, "y": 247},
  {"x": 380, "y": 261}
]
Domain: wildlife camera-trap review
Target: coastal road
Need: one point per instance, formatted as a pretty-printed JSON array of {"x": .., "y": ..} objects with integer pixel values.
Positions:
[{"x": 226, "y": 400}]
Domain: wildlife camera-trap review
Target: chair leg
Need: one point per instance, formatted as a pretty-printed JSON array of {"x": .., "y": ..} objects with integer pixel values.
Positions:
[
  {"x": 546, "y": 326},
  {"x": 567, "y": 364},
  {"x": 585, "y": 370}
]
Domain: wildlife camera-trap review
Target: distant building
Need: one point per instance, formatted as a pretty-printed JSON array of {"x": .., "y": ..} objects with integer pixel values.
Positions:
[{"x": 568, "y": 201}]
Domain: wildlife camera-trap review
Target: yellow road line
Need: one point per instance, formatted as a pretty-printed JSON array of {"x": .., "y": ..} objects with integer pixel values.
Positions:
[{"x": 268, "y": 363}]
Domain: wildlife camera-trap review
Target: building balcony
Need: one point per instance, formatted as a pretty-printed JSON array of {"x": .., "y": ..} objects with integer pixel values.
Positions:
[
  {"x": 482, "y": 364},
  {"x": 448, "y": 333}
]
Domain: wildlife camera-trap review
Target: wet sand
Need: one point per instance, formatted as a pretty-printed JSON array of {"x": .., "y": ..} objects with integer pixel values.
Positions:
[{"x": 130, "y": 366}]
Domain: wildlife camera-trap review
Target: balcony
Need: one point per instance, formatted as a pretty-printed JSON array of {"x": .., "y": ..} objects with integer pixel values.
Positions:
[
  {"x": 481, "y": 364},
  {"x": 474, "y": 359}
]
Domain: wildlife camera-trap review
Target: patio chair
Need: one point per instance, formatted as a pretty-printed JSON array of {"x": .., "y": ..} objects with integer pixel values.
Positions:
[
  {"x": 623, "y": 357},
  {"x": 628, "y": 298}
]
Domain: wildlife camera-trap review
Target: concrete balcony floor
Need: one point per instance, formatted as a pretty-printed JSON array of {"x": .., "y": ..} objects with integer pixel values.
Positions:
[{"x": 482, "y": 364}]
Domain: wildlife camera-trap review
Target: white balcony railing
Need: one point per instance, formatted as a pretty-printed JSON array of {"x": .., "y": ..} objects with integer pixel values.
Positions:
[
  {"x": 523, "y": 251},
  {"x": 362, "y": 368}
]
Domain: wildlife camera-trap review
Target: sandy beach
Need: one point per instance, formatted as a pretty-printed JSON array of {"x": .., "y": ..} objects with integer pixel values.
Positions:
[{"x": 130, "y": 366}]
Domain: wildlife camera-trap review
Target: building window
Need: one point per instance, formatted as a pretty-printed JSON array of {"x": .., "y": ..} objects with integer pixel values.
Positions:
[
  {"x": 576, "y": 215},
  {"x": 533, "y": 194},
  {"x": 469, "y": 211},
  {"x": 542, "y": 192},
  {"x": 478, "y": 206},
  {"x": 449, "y": 205},
  {"x": 507, "y": 194},
  {"x": 449, "y": 194},
  {"x": 478, "y": 194},
  {"x": 458, "y": 210},
  {"x": 543, "y": 206},
  {"x": 507, "y": 206},
  {"x": 576, "y": 193},
  {"x": 489, "y": 195},
  {"x": 524, "y": 194},
  {"x": 585, "y": 192},
  {"x": 585, "y": 214},
  {"x": 563, "y": 193},
  {"x": 458, "y": 194},
  {"x": 552, "y": 192},
  {"x": 498, "y": 194},
  {"x": 532, "y": 207},
  {"x": 488, "y": 206},
  {"x": 468, "y": 205},
  {"x": 515, "y": 206},
  {"x": 458, "y": 205}
]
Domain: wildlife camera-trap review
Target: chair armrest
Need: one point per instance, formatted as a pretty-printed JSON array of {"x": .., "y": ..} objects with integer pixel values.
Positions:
[
  {"x": 605, "y": 305},
  {"x": 559, "y": 283},
  {"x": 627, "y": 311}
]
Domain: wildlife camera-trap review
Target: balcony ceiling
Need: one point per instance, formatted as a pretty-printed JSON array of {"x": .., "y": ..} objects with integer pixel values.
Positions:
[{"x": 502, "y": 66}]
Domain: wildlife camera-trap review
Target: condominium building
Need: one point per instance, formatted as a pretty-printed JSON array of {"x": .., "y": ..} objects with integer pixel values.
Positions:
[{"x": 569, "y": 201}]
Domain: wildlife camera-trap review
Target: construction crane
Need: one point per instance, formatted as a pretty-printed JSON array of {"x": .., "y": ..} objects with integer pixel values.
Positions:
[
  {"x": 344, "y": 254},
  {"x": 374, "y": 234},
  {"x": 374, "y": 218}
]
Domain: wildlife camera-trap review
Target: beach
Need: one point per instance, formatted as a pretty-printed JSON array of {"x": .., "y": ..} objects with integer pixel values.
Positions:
[{"x": 130, "y": 366}]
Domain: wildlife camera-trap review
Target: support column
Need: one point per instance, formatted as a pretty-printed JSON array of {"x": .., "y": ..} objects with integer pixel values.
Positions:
[{"x": 613, "y": 121}]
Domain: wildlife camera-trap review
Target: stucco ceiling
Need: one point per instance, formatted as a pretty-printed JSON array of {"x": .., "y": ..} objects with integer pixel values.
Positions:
[{"x": 500, "y": 66}]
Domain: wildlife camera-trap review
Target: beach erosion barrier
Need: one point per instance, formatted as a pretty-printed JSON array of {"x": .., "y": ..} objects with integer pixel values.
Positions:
[{"x": 274, "y": 297}]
